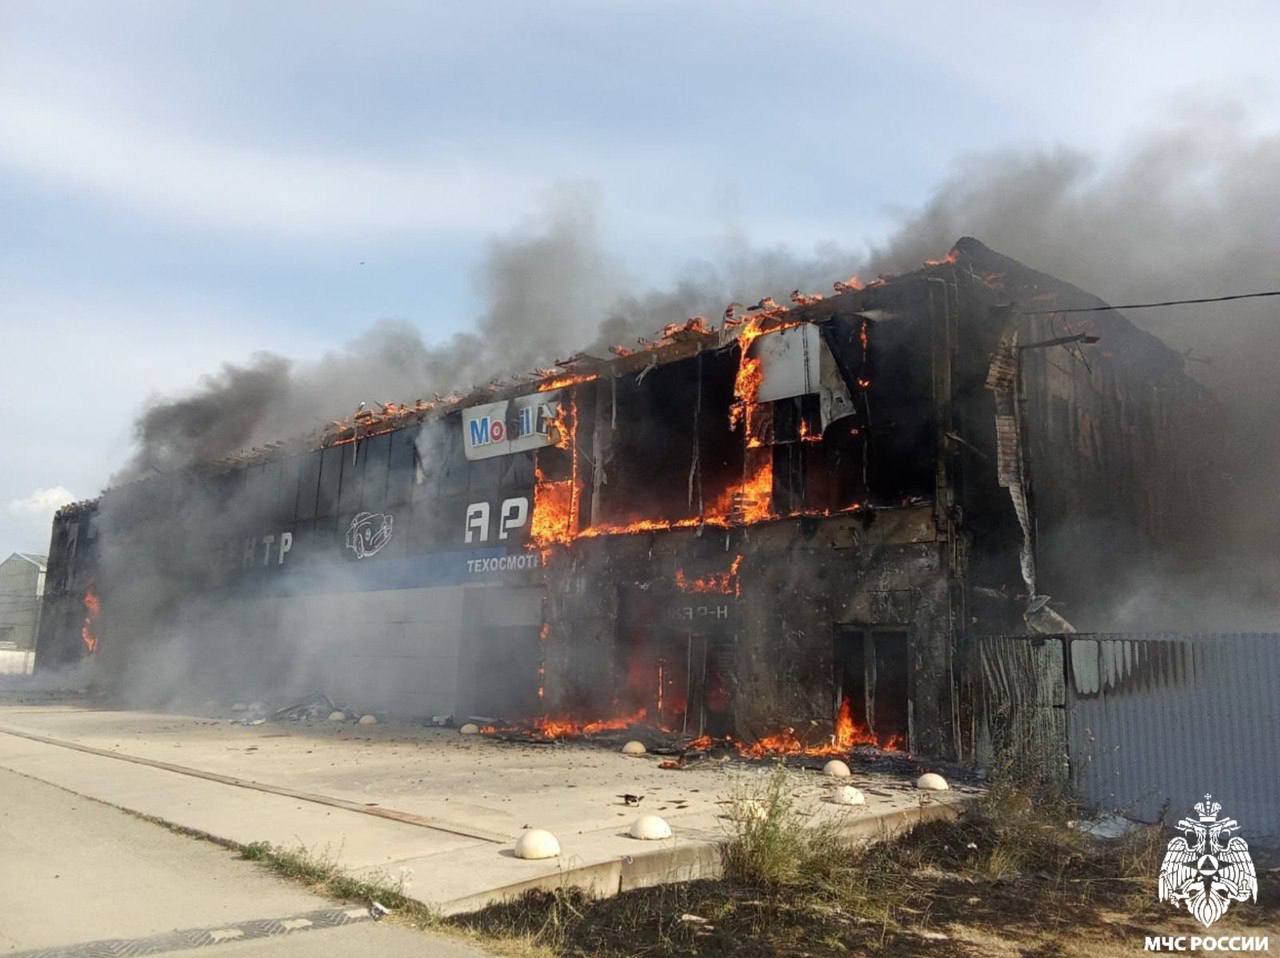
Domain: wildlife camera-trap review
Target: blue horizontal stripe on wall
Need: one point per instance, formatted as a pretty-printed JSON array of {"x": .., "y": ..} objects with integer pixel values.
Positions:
[{"x": 457, "y": 567}]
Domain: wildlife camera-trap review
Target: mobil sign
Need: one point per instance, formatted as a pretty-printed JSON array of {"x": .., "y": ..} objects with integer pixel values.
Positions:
[{"x": 513, "y": 425}]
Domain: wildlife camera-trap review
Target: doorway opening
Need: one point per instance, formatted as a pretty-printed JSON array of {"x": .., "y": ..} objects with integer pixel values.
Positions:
[
  {"x": 679, "y": 676},
  {"x": 675, "y": 659},
  {"x": 872, "y": 685}
]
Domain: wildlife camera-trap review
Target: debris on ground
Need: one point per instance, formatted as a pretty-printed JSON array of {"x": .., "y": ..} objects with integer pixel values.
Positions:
[
  {"x": 847, "y": 795},
  {"x": 312, "y": 709},
  {"x": 255, "y": 713},
  {"x": 1108, "y": 826}
]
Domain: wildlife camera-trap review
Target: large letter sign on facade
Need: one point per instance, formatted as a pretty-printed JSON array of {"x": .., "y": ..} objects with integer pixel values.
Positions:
[
  {"x": 515, "y": 512},
  {"x": 513, "y": 425},
  {"x": 477, "y": 522}
]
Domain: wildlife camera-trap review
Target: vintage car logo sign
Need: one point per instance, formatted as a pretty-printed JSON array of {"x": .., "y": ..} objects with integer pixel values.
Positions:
[
  {"x": 1206, "y": 868},
  {"x": 368, "y": 533}
]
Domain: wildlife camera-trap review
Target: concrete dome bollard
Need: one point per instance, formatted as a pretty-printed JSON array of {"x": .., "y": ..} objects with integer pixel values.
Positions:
[
  {"x": 932, "y": 782},
  {"x": 836, "y": 769},
  {"x": 471, "y": 728},
  {"x": 368, "y": 720},
  {"x": 336, "y": 716},
  {"x": 848, "y": 795},
  {"x": 634, "y": 748},
  {"x": 537, "y": 843},
  {"x": 650, "y": 828}
]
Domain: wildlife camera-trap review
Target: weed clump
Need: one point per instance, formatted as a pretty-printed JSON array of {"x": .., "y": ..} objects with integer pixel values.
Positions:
[
  {"x": 319, "y": 871},
  {"x": 771, "y": 843}
]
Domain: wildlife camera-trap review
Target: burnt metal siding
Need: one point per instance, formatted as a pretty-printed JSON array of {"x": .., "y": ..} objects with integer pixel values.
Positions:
[
  {"x": 1146, "y": 723},
  {"x": 1159, "y": 720},
  {"x": 1022, "y": 712}
]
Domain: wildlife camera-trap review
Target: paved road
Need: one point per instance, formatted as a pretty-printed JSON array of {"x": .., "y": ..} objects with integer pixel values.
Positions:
[{"x": 82, "y": 879}]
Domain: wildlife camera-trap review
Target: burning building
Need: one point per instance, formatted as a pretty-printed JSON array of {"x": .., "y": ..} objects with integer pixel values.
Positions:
[{"x": 781, "y": 528}]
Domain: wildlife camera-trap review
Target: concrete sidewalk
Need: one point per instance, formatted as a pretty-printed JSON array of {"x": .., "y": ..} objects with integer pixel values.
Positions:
[
  {"x": 438, "y": 809},
  {"x": 82, "y": 880}
]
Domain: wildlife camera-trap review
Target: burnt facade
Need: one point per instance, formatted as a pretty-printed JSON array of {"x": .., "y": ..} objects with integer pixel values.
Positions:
[{"x": 783, "y": 529}]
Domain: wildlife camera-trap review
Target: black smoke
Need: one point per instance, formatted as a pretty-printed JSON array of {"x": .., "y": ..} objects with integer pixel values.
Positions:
[{"x": 1190, "y": 208}]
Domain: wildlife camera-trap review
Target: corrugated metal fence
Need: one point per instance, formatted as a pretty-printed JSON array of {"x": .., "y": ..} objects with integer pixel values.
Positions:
[{"x": 1138, "y": 723}]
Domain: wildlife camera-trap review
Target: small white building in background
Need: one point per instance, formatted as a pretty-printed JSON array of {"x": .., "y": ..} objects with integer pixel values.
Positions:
[{"x": 21, "y": 590}]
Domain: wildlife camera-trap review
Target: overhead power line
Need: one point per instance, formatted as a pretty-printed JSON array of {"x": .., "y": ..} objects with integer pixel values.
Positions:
[{"x": 1170, "y": 302}]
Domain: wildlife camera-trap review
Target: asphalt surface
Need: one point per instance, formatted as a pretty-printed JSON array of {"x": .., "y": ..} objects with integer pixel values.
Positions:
[{"x": 81, "y": 879}]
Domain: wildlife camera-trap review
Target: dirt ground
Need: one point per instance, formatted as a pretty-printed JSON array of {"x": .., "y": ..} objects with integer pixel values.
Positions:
[{"x": 1003, "y": 881}]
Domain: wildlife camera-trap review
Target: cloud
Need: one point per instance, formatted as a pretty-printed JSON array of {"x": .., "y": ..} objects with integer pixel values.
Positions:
[
  {"x": 42, "y": 502},
  {"x": 88, "y": 361},
  {"x": 287, "y": 193}
]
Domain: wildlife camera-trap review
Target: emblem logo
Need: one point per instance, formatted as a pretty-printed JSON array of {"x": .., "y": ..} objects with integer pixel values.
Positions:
[
  {"x": 368, "y": 533},
  {"x": 1206, "y": 868}
]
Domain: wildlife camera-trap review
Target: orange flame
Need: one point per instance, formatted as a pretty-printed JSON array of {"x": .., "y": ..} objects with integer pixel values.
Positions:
[
  {"x": 694, "y": 324},
  {"x": 542, "y": 660},
  {"x": 746, "y": 384},
  {"x": 725, "y": 582},
  {"x": 556, "y": 503},
  {"x": 569, "y": 379},
  {"x": 93, "y": 606},
  {"x": 553, "y": 511},
  {"x": 566, "y": 727},
  {"x": 753, "y": 500},
  {"x": 366, "y": 423},
  {"x": 805, "y": 299},
  {"x": 947, "y": 260},
  {"x": 847, "y": 734}
]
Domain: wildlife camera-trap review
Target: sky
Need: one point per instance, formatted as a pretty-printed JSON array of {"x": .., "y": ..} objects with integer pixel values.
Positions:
[{"x": 184, "y": 184}]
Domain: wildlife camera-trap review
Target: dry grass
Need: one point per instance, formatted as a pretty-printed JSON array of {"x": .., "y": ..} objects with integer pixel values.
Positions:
[
  {"x": 1011, "y": 875},
  {"x": 1009, "y": 878},
  {"x": 319, "y": 872},
  {"x": 769, "y": 842}
]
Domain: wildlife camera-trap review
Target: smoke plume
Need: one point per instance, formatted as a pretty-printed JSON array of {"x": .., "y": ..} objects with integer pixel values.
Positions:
[
  {"x": 549, "y": 290},
  {"x": 1191, "y": 208}
]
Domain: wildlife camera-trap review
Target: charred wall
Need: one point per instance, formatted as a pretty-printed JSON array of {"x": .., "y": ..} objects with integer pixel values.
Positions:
[
  {"x": 248, "y": 582},
  {"x": 70, "y": 576},
  {"x": 761, "y": 629},
  {"x": 644, "y": 534},
  {"x": 1118, "y": 439}
]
